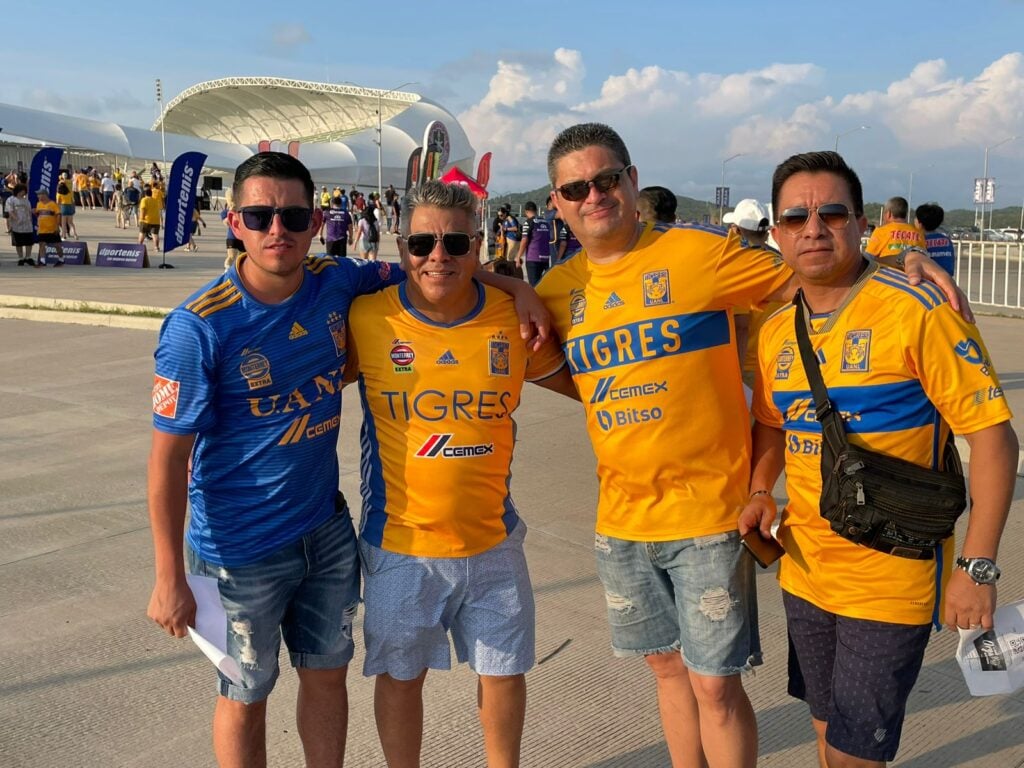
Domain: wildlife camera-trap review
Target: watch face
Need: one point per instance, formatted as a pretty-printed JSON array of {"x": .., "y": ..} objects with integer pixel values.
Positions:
[{"x": 983, "y": 571}]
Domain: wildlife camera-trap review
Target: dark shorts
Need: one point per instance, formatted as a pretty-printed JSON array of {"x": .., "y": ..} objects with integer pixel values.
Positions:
[
  {"x": 49, "y": 237},
  {"x": 22, "y": 238},
  {"x": 67, "y": 210},
  {"x": 149, "y": 229},
  {"x": 337, "y": 247},
  {"x": 855, "y": 675}
]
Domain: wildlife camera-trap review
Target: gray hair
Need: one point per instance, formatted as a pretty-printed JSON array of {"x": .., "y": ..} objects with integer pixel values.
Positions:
[
  {"x": 583, "y": 135},
  {"x": 437, "y": 194}
]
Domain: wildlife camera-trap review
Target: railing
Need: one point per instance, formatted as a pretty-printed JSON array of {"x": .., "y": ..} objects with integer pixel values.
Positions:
[{"x": 991, "y": 273}]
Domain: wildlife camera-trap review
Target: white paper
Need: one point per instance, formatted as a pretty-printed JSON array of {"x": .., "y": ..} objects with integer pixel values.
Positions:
[
  {"x": 211, "y": 631},
  {"x": 993, "y": 661}
]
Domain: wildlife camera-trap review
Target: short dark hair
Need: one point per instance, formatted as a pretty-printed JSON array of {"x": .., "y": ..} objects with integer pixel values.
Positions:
[
  {"x": 817, "y": 162},
  {"x": 662, "y": 202},
  {"x": 897, "y": 207},
  {"x": 274, "y": 165},
  {"x": 530, "y": 206},
  {"x": 930, "y": 215},
  {"x": 19, "y": 187},
  {"x": 583, "y": 135}
]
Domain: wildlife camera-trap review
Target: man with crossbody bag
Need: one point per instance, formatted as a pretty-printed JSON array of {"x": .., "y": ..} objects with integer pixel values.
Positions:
[{"x": 869, "y": 551}]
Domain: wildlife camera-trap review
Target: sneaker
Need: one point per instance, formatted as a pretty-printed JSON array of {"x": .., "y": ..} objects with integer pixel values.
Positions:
[
  {"x": 59, "y": 263},
  {"x": 37, "y": 264}
]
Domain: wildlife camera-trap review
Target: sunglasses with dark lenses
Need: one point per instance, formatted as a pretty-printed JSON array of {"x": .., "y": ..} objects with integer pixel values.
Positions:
[
  {"x": 834, "y": 215},
  {"x": 575, "y": 191},
  {"x": 455, "y": 243},
  {"x": 258, "y": 218}
]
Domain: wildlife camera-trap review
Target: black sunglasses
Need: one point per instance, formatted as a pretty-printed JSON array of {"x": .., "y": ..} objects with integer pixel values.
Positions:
[
  {"x": 258, "y": 218},
  {"x": 834, "y": 215},
  {"x": 575, "y": 191},
  {"x": 423, "y": 243}
]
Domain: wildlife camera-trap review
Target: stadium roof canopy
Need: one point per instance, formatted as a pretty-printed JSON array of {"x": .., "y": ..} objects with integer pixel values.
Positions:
[{"x": 335, "y": 125}]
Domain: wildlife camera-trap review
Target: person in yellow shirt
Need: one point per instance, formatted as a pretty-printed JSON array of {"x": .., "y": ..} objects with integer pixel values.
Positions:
[
  {"x": 149, "y": 218},
  {"x": 159, "y": 194},
  {"x": 440, "y": 369},
  {"x": 47, "y": 214},
  {"x": 904, "y": 369},
  {"x": 644, "y": 314},
  {"x": 66, "y": 202},
  {"x": 896, "y": 233}
]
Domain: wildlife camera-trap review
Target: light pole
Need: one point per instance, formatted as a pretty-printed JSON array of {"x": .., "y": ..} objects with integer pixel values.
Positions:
[
  {"x": 984, "y": 177},
  {"x": 160, "y": 106},
  {"x": 380, "y": 128},
  {"x": 847, "y": 133},
  {"x": 721, "y": 198},
  {"x": 910, "y": 190}
]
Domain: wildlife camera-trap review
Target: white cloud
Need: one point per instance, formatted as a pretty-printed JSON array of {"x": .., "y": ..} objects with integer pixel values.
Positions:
[
  {"x": 287, "y": 36},
  {"x": 738, "y": 94}
]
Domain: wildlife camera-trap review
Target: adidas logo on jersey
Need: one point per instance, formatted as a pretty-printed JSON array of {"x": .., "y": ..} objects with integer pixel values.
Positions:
[
  {"x": 297, "y": 332},
  {"x": 614, "y": 301},
  {"x": 447, "y": 359}
]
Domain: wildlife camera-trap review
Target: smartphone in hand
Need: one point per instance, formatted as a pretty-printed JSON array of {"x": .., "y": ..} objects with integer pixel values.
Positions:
[{"x": 764, "y": 551}]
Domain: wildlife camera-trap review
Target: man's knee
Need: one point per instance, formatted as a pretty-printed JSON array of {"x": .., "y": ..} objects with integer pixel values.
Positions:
[
  {"x": 839, "y": 759},
  {"x": 323, "y": 678},
  {"x": 401, "y": 687},
  {"x": 253, "y": 712},
  {"x": 723, "y": 692},
  {"x": 665, "y": 665}
]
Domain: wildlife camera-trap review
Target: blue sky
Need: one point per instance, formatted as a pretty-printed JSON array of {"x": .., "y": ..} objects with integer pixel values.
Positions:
[{"x": 686, "y": 84}]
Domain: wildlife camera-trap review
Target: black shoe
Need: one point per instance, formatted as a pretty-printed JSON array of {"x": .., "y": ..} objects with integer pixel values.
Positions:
[
  {"x": 37, "y": 264},
  {"x": 59, "y": 263}
]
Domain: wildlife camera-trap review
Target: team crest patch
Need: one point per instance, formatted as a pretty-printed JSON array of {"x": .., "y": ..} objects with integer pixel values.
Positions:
[
  {"x": 165, "y": 396},
  {"x": 336, "y": 325},
  {"x": 402, "y": 356},
  {"x": 656, "y": 288},
  {"x": 255, "y": 369},
  {"x": 498, "y": 348},
  {"x": 577, "y": 306},
  {"x": 784, "y": 361},
  {"x": 856, "y": 352}
]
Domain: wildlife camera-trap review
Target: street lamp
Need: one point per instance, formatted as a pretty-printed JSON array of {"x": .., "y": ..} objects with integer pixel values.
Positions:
[
  {"x": 160, "y": 106},
  {"x": 380, "y": 128},
  {"x": 847, "y": 133},
  {"x": 910, "y": 190},
  {"x": 985, "y": 182},
  {"x": 721, "y": 198}
]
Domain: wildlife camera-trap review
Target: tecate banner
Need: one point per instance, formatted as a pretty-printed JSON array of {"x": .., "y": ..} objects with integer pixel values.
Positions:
[{"x": 182, "y": 188}]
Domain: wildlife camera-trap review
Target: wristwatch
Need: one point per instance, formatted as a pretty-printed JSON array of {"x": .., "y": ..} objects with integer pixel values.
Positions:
[
  {"x": 901, "y": 258},
  {"x": 982, "y": 569}
]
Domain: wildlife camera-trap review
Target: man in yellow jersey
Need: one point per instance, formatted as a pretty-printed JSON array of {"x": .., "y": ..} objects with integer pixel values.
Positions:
[
  {"x": 906, "y": 369},
  {"x": 149, "y": 218},
  {"x": 47, "y": 215},
  {"x": 896, "y": 233},
  {"x": 440, "y": 368},
  {"x": 644, "y": 313}
]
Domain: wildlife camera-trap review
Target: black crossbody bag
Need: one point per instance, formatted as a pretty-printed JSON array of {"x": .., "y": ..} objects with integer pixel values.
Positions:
[{"x": 879, "y": 501}]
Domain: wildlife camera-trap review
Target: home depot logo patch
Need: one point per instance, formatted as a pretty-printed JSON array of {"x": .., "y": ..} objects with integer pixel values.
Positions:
[{"x": 165, "y": 396}]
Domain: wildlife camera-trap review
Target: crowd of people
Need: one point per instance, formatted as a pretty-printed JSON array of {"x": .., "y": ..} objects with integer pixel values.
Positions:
[{"x": 642, "y": 311}]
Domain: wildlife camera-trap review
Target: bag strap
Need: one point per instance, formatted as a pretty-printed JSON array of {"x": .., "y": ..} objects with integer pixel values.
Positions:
[{"x": 832, "y": 428}]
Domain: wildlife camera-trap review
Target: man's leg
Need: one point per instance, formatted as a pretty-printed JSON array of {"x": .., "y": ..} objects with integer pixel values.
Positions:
[
  {"x": 322, "y": 716},
  {"x": 728, "y": 728},
  {"x": 501, "y": 701},
  {"x": 680, "y": 717},
  {"x": 398, "y": 710},
  {"x": 240, "y": 734}
]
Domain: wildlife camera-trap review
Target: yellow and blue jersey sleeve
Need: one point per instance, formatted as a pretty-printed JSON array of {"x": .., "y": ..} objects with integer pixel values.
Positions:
[{"x": 902, "y": 367}]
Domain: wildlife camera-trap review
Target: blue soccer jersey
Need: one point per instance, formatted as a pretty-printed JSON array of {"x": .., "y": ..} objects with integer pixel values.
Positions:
[{"x": 260, "y": 387}]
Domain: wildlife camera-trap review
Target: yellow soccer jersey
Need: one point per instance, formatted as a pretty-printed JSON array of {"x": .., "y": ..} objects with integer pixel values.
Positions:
[
  {"x": 650, "y": 345},
  {"x": 892, "y": 238},
  {"x": 903, "y": 368},
  {"x": 437, "y": 431}
]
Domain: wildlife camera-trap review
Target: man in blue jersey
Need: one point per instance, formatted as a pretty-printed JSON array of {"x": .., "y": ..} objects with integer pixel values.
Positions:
[
  {"x": 246, "y": 402},
  {"x": 929, "y": 218},
  {"x": 534, "y": 244}
]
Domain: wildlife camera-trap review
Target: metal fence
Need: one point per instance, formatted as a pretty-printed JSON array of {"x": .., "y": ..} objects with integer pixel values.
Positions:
[{"x": 991, "y": 273}]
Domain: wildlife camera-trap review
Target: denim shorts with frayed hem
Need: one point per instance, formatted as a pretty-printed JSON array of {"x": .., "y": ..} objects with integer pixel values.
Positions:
[
  {"x": 307, "y": 592},
  {"x": 694, "y": 595}
]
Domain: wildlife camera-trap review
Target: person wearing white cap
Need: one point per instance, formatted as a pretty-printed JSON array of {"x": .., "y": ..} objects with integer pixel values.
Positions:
[
  {"x": 750, "y": 220},
  {"x": 107, "y": 185}
]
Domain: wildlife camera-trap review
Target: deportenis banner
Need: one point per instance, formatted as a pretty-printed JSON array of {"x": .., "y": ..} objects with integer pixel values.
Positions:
[{"x": 182, "y": 189}]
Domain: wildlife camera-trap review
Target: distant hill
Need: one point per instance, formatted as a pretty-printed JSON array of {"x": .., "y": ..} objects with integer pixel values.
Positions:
[{"x": 690, "y": 209}]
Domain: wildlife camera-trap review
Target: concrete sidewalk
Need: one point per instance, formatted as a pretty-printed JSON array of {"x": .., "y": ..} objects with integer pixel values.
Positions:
[{"x": 86, "y": 680}]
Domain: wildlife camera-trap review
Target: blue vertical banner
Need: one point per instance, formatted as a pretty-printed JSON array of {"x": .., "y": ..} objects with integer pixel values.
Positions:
[
  {"x": 182, "y": 189},
  {"x": 44, "y": 173}
]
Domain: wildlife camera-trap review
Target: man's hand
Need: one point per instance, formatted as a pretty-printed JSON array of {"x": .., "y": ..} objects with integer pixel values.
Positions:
[
  {"x": 918, "y": 266},
  {"x": 759, "y": 513},
  {"x": 968, "y": 605},
  {"x": 172, "y": 606}
]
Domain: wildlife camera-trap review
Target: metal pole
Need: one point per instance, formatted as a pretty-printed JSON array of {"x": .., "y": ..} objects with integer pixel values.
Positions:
[
  {"x": 910, "y": 195},
  {"x": 984, "y": 192},
  {"x": 380, "y": 127},
  {"x": 721, "y": 199}
]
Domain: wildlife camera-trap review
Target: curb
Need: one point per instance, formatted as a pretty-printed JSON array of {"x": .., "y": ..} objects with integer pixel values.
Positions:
[{"x": 79, "y": 312}]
